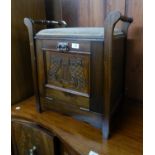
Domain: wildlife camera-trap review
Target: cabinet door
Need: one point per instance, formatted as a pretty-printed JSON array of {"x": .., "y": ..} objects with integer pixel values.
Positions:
[
  {"x": 29, "y": 139},
  {"x": 63, "y": 76}
]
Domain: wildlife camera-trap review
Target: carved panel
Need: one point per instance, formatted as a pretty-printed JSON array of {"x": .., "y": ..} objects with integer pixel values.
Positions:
[
  {"x": 77, "y": 72},
  {"x": 67, "y": 70},
  {"x": 55, "y": 65}
]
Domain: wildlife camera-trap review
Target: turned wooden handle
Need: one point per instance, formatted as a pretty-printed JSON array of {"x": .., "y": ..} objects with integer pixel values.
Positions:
[{"x": 50, "y": 22}]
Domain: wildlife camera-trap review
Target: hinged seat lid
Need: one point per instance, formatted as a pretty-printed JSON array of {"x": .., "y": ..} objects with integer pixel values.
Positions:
[{"x": 80, "y": 32}]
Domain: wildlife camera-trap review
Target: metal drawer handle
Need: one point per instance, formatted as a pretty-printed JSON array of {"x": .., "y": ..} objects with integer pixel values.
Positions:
[
  {"x": 33, "y": 151},
  {"x": 63, "y": 46}
]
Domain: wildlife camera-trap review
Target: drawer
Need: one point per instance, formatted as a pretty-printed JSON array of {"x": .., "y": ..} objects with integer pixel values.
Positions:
[
  {"x": 54, "y": 95},
  {"x": 74, "y": 45}
]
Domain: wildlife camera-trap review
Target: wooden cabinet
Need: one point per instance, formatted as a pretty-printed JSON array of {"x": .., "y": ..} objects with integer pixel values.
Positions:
[
  {"x": 80, "y": 69},
  {"x": 30, "y": 139}
]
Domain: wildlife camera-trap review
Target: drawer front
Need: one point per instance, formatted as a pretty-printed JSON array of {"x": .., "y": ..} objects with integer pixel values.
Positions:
[
  {"x": 64, "y": 75},
  {"x": 28, "y": 139},
  {"x": 74, "y": 45},
  {"x": 69, "y": 98}
]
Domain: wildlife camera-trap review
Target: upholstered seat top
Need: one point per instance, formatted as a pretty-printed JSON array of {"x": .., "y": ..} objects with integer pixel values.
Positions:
[{"x": 80, "y": 32}]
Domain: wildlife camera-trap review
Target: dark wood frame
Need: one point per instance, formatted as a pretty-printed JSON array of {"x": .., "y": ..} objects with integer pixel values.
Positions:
[{"x": 110, "y": 22}]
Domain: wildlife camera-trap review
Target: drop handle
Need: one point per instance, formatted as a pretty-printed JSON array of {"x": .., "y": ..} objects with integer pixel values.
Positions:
[
  {"x": 63, "y": 46},
  {"x": 33, "y": 151}
]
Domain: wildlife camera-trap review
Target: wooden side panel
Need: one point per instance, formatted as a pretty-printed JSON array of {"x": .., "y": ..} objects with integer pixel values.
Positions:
[
  {"x": 21, "y": 75},
  {"x": 117, "y": 73},
  {"x": 134, "y": 68},
  {"x": 27, "y": 136},
  {"x": 96, "y": 103}
]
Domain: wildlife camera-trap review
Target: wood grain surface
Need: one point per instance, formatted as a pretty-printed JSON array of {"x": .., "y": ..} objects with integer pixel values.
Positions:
[
  {"x": 21, "y": 75},
  {"x": 134, "y": 67},
  {"x": 93, "y": 13},
  {"x": 127, "y": 132},
  {"x": 25, "y": 136}
]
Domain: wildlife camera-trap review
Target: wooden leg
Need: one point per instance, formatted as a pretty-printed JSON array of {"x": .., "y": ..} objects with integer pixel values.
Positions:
[
  {"x": 38, "y": 105},
  {"x": 105, "y": 128}
]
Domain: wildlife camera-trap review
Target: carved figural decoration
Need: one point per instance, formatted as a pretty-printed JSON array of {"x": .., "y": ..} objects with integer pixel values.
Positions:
[{"x": 67, "y": 70}]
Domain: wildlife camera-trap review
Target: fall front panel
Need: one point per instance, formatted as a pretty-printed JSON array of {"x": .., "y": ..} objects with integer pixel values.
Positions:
[{"x": 64, "y": 76}]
